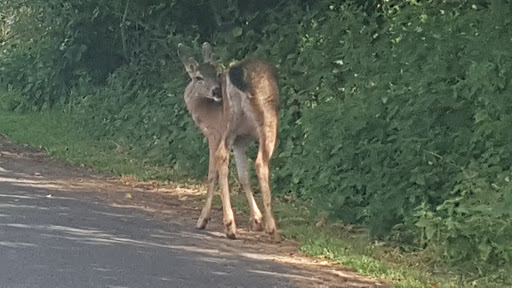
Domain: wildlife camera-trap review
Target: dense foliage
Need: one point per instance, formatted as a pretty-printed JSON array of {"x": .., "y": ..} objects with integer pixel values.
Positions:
[{"x": 395, "y": 115}]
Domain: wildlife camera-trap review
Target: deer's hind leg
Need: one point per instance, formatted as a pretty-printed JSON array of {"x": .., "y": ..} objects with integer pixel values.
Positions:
[
  {"x": 242, "y": 165},
  {"x": 267, "y": 142}
]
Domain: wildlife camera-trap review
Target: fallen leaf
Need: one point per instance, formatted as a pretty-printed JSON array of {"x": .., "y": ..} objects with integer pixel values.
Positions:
[{"x": 128, "y": 196}]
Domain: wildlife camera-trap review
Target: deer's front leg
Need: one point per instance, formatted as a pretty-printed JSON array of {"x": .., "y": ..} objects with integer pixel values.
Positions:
[
  {"x": 222, "y": 159},
  {"x": 212, "y": 178}
]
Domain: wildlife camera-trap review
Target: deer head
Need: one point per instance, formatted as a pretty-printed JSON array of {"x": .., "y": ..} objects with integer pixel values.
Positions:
[{"x": 205, "y": 80}]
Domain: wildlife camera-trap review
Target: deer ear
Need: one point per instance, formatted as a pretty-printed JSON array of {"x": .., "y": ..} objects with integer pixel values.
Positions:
[
  {"x": 208, "y": 56},
  {"x": 182, "y": 54},
  {"x": 190, "y": 63},
  {"x": 192, "y": 67}
]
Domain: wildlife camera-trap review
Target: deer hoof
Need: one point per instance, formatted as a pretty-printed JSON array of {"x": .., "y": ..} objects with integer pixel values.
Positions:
[
  {"x": 255, "y": 225},
  {"x": 231, "y": 235},
  {"x": 275, "y": 237},
  {"x": 201, "y": 223},
  {"x": 230, "y": 230}
]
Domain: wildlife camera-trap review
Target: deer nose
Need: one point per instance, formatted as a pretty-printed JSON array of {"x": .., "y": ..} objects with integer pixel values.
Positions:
[{"x": 217, "y": 94}]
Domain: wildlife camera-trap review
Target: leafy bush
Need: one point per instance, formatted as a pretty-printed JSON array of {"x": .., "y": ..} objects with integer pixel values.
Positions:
[{"x": 416, "y": 139}]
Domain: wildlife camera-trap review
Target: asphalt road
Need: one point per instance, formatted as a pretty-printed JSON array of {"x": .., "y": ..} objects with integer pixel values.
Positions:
[{"x": 50, "y": 241}]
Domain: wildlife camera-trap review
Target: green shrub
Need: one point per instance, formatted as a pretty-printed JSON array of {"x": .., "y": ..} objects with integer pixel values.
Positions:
[{"x": 417, "y": 133}]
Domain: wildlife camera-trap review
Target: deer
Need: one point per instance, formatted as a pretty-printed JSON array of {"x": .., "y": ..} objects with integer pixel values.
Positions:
[{"x": 232, "y": 109}]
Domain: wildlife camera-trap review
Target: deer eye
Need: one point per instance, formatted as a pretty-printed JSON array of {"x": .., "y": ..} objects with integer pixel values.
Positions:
[{"x": 199, "y": 78}]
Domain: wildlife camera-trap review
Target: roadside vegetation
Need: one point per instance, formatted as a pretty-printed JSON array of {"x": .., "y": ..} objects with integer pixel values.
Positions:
[{"x": 395, "y": 147}]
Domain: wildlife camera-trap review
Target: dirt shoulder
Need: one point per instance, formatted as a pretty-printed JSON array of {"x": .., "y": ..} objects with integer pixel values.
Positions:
[{"x": 167, "y": 202}]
